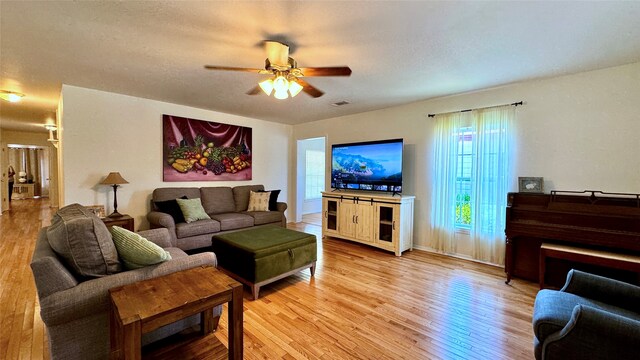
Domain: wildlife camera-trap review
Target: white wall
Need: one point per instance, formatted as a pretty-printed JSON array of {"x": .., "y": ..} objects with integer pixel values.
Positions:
[
  {"x": 578, "y": 131},
  {"x": 106, "y": 132}
]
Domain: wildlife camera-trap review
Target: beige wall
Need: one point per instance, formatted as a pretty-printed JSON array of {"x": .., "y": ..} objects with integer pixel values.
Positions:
[
  {"x": 25, "y": 138},
  {"x": 104, "y": 132},
  {"x": 578, "y": 132}
]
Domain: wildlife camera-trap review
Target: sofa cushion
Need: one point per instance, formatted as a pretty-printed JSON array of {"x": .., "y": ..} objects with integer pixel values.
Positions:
[
  {"x": 241, "y": 195},
  {"x": 258, "y": 201},
  {"x": 217, "y": 200},
  {"x": 265, "y": 217},
  {"x": 170, "y": 193},
  {"x": 192, "y": 210},
  {"x": 232, "y": 221},
  {"x": 172, "y": 208},
  {"x": 83, "y": 241},
  {"x": 206, "y": 226},
  {"x": 135, "y": 251}
]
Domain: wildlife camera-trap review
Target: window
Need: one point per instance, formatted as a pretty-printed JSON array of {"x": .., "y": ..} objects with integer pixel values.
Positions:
[
  {"x": 314, "y": 165},
  {"x": 464, "y": 165},
  {"x": 471, "y": 178}
]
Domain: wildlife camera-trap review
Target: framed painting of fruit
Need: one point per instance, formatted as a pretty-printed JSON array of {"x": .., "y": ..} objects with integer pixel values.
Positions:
[{"x": 197, "y": 150}]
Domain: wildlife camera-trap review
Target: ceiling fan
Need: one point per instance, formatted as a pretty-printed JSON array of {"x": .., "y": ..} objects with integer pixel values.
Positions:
[{"x": 286, "y": 75}]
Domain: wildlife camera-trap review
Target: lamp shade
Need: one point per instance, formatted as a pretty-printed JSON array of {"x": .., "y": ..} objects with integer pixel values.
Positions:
[
  {"x": 114, "y": 178},
  {"x": 266, "y": 86},
  {"x": 294, "y": 88}
]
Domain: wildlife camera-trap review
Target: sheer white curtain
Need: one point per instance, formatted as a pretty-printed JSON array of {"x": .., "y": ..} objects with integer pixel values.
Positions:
[
  {"x": 443, "y": 209},
  {"x": 492, "y": 166},
  {"x": 491, "y": 130}
]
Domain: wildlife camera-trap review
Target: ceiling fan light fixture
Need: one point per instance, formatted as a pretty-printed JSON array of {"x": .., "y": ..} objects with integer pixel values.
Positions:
[
  {"x": 280, "y": 95},
  {"x": 266, "y": 86},
  {"x": 294, "y": 88},
  {"x": 281, "y": 85}
]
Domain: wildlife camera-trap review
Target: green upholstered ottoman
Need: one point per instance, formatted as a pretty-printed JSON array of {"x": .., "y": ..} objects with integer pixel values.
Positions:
[{"x": 259, "y": 256}]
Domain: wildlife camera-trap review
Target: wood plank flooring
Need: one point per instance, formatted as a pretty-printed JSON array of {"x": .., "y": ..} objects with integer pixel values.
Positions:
[{"x": 362, "y": 303}]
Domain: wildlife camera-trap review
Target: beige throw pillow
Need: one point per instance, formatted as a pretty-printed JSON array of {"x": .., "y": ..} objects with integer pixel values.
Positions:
[{"x": 259, "y": 201}]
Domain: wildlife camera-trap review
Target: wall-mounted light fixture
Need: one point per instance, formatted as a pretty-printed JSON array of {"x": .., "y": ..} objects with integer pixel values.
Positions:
[
  {"x": 52, "y": 139},
  {"x": 11, "y": 96}
]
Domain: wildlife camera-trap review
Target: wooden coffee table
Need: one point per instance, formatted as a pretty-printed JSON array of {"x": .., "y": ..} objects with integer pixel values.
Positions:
[{"x": 144, "y": 306}]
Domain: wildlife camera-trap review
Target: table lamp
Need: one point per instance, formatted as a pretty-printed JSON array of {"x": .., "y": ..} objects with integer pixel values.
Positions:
[{"x": 114, "y": 179}]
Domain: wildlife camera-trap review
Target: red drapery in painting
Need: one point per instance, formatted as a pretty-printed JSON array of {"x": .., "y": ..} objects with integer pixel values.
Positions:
[{"x": 226, "y": 148}]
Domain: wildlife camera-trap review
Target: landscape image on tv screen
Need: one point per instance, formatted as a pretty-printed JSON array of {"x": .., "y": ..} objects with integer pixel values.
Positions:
[{"x": 375, "y": 165}]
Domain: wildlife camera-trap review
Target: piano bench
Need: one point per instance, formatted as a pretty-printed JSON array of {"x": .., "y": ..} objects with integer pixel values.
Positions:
[{"x": 586, "y": 256}]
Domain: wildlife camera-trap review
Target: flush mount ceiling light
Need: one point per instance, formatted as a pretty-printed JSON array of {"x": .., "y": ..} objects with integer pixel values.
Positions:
[
  {"x": 286, "y": 80},
  {"x": 10, "y": 96}
]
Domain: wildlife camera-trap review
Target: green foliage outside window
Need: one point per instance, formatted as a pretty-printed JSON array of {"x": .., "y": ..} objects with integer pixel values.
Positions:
[{"x": 463, "y": 209}]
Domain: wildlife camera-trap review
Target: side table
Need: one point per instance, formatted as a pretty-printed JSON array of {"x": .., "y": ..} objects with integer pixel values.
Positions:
[
  {"x": 124, "y": 221},
  {"x": 138, "y": 308}
]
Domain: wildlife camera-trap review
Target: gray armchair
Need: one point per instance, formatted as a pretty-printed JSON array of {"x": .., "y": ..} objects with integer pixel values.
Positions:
[
  {"x": 76, "y": 312},
  {"x": 591, "y": 317}
]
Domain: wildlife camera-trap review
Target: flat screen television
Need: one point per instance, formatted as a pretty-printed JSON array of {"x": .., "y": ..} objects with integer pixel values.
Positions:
[{"x": 371, "y": 165}]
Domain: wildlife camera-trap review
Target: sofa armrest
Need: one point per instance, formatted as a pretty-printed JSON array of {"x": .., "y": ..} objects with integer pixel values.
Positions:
[
  {"x": 92, "y": 296},
  {"x": 158, "y": 236},
  {"x": 159, "y": 219},
  {"x": 603, "y": 289},
  {"x": 594, "y": 334},
  {"x": 281, "y": 206}
]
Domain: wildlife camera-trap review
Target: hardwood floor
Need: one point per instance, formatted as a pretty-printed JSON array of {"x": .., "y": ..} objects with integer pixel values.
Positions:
[
  {"x": 22, "y": 333},
  {"x": 362, "y": 303}
]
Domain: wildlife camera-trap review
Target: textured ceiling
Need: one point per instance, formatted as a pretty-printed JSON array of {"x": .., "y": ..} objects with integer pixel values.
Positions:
[{"x": 399, "y": 52}]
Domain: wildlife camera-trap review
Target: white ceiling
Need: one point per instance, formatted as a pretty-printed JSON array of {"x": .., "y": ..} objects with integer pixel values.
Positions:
[{"x": 399, "y": 52}]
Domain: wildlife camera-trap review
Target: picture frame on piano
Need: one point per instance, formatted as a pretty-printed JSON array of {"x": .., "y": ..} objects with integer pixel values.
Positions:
[{"x": 530, "y": 184}]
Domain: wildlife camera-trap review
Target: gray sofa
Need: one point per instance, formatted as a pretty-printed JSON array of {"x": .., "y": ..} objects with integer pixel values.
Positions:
[
  {"x": 226, "y": 206},
  {"x": 76, "y": 312},
  {"x": 591, "y": 317}
]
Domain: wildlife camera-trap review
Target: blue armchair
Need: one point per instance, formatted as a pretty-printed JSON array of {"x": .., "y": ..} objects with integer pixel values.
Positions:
[{"x": 591, "y": 317}]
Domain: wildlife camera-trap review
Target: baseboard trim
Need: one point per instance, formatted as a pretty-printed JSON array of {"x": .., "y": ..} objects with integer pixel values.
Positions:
[{"x": 457, "y": 256}]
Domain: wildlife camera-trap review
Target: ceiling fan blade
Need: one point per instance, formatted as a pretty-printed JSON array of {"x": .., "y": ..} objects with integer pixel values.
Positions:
[
  {"x": 255, "y": 91},
  {"x": 309, "y": 89},
  {"x": 231, "y": 68},
  {"x": 277, "y": 52},
  {"x": 326, "y": 71}
]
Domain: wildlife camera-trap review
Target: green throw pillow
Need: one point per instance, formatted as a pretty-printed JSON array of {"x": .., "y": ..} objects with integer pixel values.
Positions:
[
  {"x": 192, "y": 210},
  {"x": 136, "y": 251}
]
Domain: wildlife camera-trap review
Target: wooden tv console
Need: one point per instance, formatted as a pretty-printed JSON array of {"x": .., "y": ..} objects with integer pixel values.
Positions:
[{"x": 379, "y": 220}]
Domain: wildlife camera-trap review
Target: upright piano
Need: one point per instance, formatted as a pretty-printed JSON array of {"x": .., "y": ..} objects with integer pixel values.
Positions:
[{"x": 587, "y": 219}]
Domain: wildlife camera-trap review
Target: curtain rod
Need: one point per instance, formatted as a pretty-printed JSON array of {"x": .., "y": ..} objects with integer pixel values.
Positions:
[{"x": 486, "y": 107}]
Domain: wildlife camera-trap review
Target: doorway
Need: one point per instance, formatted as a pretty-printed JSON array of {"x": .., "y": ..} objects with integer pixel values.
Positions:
[
  {"x": 32, "y": 171},
  {"x": 310, "y": 180}
]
